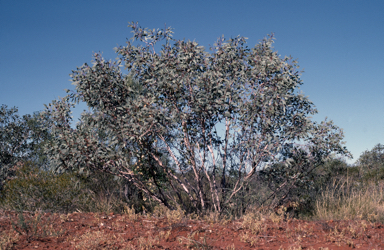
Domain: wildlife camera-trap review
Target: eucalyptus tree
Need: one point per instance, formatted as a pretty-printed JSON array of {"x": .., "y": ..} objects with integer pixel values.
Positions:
[
  {"x": 21, "y": 139},
  {"x": 12, "y": 140},
  {"x": 182, "y": 118},
  {"x": 373, "y": 158},
  {"x": 371, "y": 163}
]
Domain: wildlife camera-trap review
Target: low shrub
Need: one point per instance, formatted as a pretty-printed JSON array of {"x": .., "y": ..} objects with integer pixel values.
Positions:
[{"x": 34, "y": 189}]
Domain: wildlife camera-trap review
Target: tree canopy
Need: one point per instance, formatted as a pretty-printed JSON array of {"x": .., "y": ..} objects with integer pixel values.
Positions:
[
  {"x": 190, "y": 127},
  {"x": 21, "y": 139}
]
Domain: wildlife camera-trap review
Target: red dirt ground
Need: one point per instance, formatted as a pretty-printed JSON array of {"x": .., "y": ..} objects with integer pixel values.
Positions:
[{"x": 102, "y": 231}]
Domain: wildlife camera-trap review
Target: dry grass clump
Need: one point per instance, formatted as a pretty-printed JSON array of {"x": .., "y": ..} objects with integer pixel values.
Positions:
[
  {"x": 254, "y": 222},
  {"x": 345, "y": 235},
  {"x": 8, "y": 238},
  {"x": 33, "y": 227},
  {"x": 148, "y": 242},
  {"x": 190, "y": 243},
  {"x": 346, "y": 200},
  {"x": 212, "y": 217},
  {"x": 131, "y": 213},
  {"x": 99, "y": 240},
  {"x": 173, "y": 216}
]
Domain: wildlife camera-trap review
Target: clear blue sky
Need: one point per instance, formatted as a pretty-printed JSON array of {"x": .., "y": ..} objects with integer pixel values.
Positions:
[{"x": 339, "y": 44}]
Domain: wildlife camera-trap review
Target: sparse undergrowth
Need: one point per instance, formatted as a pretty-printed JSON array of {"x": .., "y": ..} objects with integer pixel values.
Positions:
[
  {"x": 347, "y": 200},
  {"x": 347, "y": 212},
  {"x": 174, "y": 230},
  {"x": 32, "y": 227}
]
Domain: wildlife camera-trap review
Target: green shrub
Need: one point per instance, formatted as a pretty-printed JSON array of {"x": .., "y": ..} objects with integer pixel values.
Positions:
[
  {"x": 376, "y": 174},
  {"x": 34, "y": 189}
]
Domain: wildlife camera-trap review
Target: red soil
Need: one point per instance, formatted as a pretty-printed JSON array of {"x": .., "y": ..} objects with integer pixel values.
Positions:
[{"x": 101, "y": 231}]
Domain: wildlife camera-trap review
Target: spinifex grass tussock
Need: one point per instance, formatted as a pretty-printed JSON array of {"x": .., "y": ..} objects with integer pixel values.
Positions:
[
  {"x": 148, "y": 242},
  {"x": 173, "y": 216},
  {"x": 8, "y": 238},
  {"x": 33, "y": 227},
  {"x": 231, "y": 247},
  {"x": 99, "y": 240},
  {"x": 165, "y": 234},
  {"x": 212, "y": 217},
  {"x": 295, "y": 248},
  {"x": 249, "y": 238},
  {"x": 194, "y": 244},
  {"x": 347, "y": 200},
  {"x": 345, "y": 234},
  {"x": 35, "y": 189},
  {"x": 104, "y": 204},
  {"x": 278, "y": 216},
  {"x": 254, "y": 222},
  {"x": 130, "y": 213}
]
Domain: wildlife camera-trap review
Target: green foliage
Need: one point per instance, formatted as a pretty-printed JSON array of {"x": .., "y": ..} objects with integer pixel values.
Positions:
[
  {"x": 12, "y": 141},
  {"x": 188, "y": 127},
  {"x": 21, "y": 139},
  {"x": 376, "y": 174},
  {"x": 373, "y": 158},
  {"x": 330, "y": 170},
  {"x": 34, "y": 189},
  {"x": 371, "y": 163}
]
